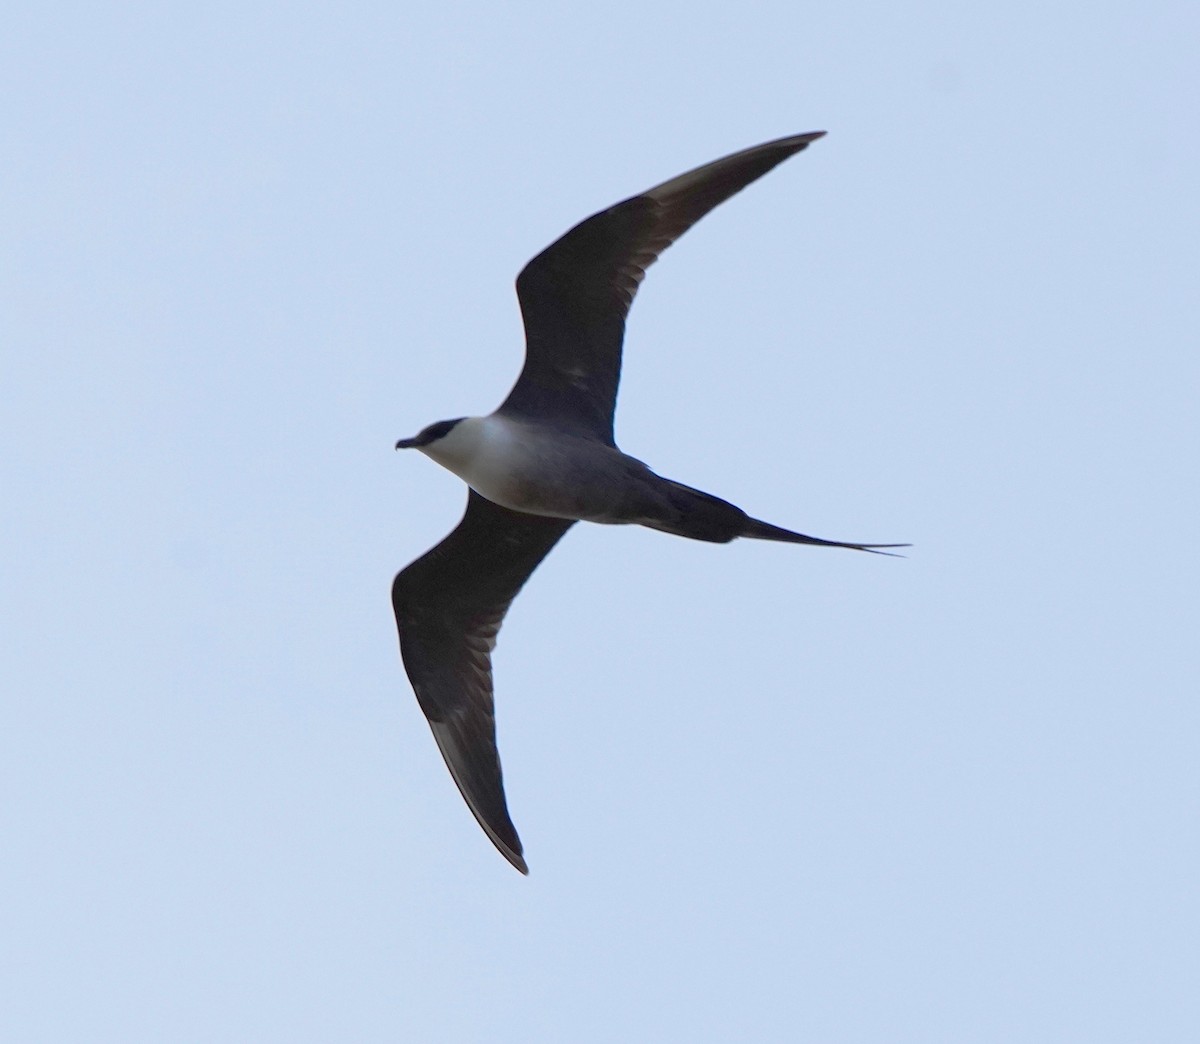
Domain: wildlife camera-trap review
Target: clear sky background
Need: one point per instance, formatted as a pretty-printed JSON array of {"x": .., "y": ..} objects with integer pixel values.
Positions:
[{"x": 767, "y": 793}]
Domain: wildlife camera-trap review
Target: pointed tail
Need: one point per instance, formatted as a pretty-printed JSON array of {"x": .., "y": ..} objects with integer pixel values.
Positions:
[
  {"x": 758, "y": 530},
  {"x": 701, "y": 516}
]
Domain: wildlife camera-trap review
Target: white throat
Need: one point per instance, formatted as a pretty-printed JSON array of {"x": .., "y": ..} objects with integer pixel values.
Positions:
[{"x": 482, "y": 451}]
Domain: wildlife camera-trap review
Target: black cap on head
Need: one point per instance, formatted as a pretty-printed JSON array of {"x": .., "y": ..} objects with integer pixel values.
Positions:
[{"x": 432, "y": 433}]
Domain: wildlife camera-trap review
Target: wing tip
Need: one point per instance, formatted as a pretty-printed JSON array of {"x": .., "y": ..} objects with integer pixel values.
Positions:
[
  {"x": 487, "y": 801},
  {"x": 793, "y": 143},
  {"x": 513, "y": 853},
  {"x": 730, "y": 173}
]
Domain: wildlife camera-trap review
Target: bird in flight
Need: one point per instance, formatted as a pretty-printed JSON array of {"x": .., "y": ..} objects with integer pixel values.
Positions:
[{"x": 546, "y": 459}]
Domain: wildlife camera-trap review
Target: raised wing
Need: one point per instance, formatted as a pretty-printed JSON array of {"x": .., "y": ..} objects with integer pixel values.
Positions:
[
  {"x": 576, "y": 293},
  {"x": 449, "y": 606}
]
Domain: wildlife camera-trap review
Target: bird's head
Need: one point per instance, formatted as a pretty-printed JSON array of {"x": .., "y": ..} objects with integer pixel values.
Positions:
[
  {"x": 454, "y": 444},
  {"x": 430, "y": 434}
]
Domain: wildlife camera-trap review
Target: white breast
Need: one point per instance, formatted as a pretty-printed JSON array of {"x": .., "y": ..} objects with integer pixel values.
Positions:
[{"x": 490, "y": 454}]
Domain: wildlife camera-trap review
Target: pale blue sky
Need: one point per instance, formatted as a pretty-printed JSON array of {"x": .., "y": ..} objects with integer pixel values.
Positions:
[{"x": 767, "y": 793}]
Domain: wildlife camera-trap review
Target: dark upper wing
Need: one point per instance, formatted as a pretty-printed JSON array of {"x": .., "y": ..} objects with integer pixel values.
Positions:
[
  {"x": 576, "y": 293},
  {"x": 449, "y": 606}
]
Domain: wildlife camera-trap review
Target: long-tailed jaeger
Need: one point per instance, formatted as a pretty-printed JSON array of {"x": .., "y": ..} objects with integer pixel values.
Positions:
[{"x": 547, "y": 459}]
